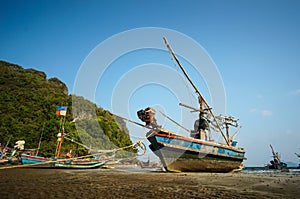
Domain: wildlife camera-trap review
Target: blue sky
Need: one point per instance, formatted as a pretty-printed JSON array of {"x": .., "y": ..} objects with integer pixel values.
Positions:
[{"x": 254, "y": 44}]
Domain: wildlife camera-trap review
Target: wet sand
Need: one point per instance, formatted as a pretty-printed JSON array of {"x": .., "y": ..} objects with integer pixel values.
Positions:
[{"x": 122, "y": 183}]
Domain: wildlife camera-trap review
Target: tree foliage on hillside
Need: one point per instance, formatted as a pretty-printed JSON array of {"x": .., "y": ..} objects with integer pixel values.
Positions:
[{"x": 28, "y": 103}]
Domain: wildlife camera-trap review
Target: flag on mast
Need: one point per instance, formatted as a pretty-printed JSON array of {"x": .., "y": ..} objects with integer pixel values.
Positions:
[{"x": 61, "y": 110}]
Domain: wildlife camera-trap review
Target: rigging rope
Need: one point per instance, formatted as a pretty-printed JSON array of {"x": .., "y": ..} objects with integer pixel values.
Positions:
[
  {"x": 138, "y": 143},
  {"x": 191, "y": 93}
]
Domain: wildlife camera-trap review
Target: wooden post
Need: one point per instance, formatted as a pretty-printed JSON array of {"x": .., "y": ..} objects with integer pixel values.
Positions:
[
  {"x": 227, "y": 132},
  {"x": 60, "y": 143}
]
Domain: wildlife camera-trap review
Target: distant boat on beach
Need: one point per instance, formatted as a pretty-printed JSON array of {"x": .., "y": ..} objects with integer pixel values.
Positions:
[
  {"x": 42, "y": 162},
  {"x": 31, "y": 160},
  {"x": 197, "y": 153},
  {"x": 276, "y": 163},
  {"x": 5, "y": 154},
  {"x": 11, "y": 156},
  {"x": 150, "y": 165}
]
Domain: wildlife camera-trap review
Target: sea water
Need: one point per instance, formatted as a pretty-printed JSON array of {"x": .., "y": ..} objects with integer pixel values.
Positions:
[
  {"x": 264, "y": 170},
  {"x": 247, "y": 170}
]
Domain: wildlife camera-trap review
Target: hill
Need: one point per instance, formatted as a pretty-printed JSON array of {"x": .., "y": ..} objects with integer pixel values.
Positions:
[{"x": 28, "y": 102}]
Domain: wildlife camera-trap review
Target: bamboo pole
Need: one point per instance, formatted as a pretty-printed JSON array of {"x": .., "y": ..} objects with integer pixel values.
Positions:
[
  {"x": 62, "y": 137},
  {"x": 8, "y": 142},
  {"x": 37, "y": 152},
  {"x": 134, "y": 122},
  {"x": 236, "y": 132}
]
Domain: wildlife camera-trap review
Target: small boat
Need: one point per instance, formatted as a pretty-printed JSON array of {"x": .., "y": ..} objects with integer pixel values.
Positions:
[
  {"x": 85, "y": 164},
  {"x": 146, "y": 165},
  {"x": 42, "y": 162},
  {"x": 276, "y": 163},
  {"x": 8, "y": 156},
  {"x": 3, "y": 156},
  {"x": 150, "y": 165}
]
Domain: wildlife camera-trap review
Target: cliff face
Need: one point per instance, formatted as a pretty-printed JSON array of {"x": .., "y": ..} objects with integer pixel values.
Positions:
[
  {"x": 28, "y": 103},
  {"x": 59, "y": 84}
]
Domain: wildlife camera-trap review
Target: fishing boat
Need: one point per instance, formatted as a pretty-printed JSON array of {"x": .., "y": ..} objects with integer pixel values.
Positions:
[
  {"x": 7, "y": 155},
  {"x": 276, "y": 163},
  {"x": 42, "y": 162},
  {"x": 197, "y": 153},
  {"x": 31, "y": 160},
  {"x": 4, "y": 159},
  {"x": 150, "y": 165}
]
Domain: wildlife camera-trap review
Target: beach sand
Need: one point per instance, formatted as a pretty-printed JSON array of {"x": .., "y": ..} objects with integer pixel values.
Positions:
[{"x": 121, "y": 183}]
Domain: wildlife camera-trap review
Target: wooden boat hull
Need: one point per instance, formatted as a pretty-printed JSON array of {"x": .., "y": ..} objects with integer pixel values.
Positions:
[{"x": 179, "y": 153}]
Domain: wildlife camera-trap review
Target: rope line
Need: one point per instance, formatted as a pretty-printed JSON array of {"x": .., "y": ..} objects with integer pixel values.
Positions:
[{"x": 138, "y": 143}]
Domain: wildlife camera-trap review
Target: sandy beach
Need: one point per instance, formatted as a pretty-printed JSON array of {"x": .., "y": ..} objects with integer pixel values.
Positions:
[{"x": 122, "y": 183}]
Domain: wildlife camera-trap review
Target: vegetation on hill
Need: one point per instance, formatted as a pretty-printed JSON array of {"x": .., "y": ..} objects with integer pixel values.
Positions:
[{"x": 28, "y": 102}]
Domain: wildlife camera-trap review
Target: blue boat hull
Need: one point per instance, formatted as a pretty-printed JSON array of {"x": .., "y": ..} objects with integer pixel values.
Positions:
[
  {"x": 179, "y": 153},
  {"x": 35, "y": 160},
  {"x": 42, "y": 162}
]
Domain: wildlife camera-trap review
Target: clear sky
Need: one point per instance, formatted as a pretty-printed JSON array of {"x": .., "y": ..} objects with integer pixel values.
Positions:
[{"x": 254, "y": 45}]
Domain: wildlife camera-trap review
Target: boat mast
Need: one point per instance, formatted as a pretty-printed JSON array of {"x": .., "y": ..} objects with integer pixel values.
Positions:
[
  {"x": 37, "y": 152},
  {"x": 275, "y": 155},
  {"x": 201, "y": 99},
  {"x": 60, "y": 137}
]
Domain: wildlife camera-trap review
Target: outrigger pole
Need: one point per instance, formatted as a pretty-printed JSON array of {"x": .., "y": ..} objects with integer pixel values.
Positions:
[
  {"x": 196, "y": 89},
  {"x": 134, "y": 122},
  {"x": 190, "y": 107}
]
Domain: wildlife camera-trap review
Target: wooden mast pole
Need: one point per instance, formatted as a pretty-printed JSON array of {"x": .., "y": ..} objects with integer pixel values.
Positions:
[
  {"x": 60, "y": 138},
  {"x": 196, "y": 89}
]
